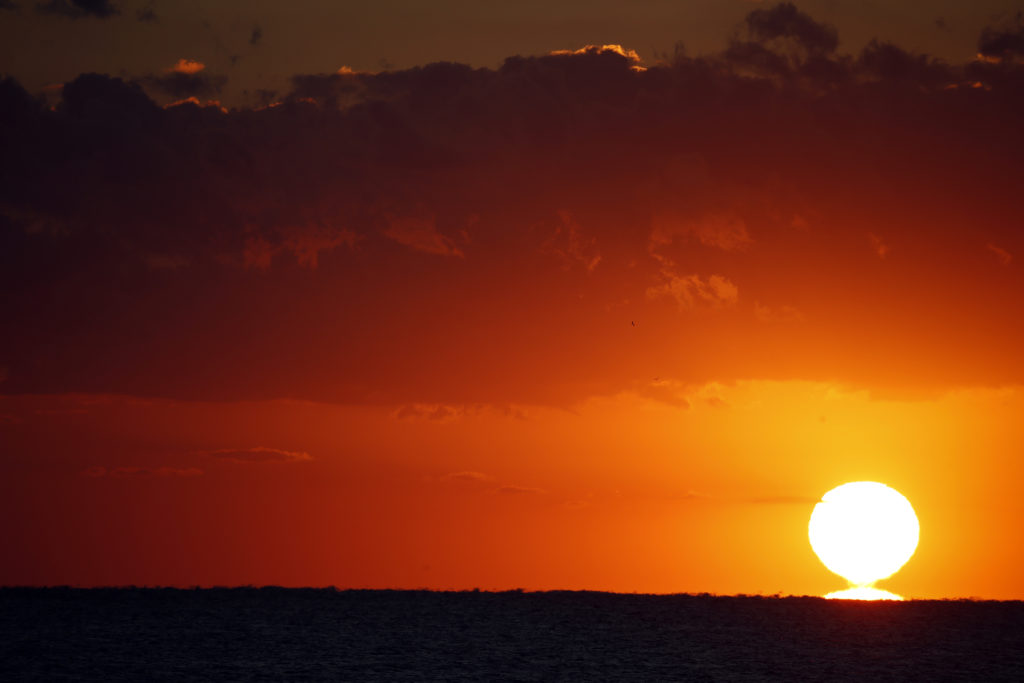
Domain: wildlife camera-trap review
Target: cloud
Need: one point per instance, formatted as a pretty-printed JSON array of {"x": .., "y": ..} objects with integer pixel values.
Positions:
[
  {"x": 256, "y": 37},
  {"x": 129, "y": 472},
  {"x": 420, "y": 234},
  {"x": 447, "y": 236},
  {"x": 441, "y": 412},
  {"x": 490, "y": 484},
  {"x": 716, "y": 402},
  {"x": 468, "y": 476},
  {"x": 599, "y": 50},
  {"x": 569, "y": 242},
  {"x": 1002, "y": 43},
  {"x": 77, "y": 9},
  {"x": 186, "y": 78},
  {"x": 665, "y": 391},
  {"x": 1003, "y": 255},
  {"x": 778, "y": 314},
  {"x": 258, "y": 454},
  {"x": 783, "y": 42},
  {"x": 520, "y": 490},
  {"x": 147, "y": 15},
  {"x": 878, "y": 245},
  {"x": 305, "y": 242},
  {"x": 785, "y": 22},
  {"x": 724, "y": 231},
  {"x": 105, "y": 99},
  {"x": 692, "y": 291},
  {"x": 9, "y": 5},
  {"x": 186, "y": 66},
  {"x": 437, "y": 412},
  {"x": 892, "y": 64}
]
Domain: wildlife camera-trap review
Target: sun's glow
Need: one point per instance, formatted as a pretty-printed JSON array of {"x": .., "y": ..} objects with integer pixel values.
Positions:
[{"x": 864, "y": 531}]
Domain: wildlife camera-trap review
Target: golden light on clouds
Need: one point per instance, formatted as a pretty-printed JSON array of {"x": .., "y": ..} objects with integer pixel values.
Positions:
[{"x": 187, "y": 66}]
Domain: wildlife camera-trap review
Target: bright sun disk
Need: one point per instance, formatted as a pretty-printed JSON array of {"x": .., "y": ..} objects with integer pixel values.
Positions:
[{"x": 864, "y": 531}]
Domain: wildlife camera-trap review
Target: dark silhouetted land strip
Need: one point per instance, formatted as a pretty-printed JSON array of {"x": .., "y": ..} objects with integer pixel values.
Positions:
[{"x": 275, "y": 633}]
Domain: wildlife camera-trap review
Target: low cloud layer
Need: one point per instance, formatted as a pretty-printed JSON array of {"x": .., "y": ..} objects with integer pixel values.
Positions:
[{"x": 561, "y": 226}]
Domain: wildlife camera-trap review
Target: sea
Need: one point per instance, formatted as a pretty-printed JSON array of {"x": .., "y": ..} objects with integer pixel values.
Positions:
[{"x": 282, "y": 634}]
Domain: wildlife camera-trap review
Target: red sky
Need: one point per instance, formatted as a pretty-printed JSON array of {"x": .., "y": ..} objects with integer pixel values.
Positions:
[{"x": 592, "y": 318}]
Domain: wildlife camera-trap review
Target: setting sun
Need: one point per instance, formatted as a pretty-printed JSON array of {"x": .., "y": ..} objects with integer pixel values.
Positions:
[
  {"x": 864, "y": 531},
  {"x": 511, "y": 340}
]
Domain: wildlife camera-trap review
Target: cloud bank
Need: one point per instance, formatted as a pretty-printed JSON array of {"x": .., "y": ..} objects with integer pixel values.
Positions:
[{"x": 561, "y": 226}]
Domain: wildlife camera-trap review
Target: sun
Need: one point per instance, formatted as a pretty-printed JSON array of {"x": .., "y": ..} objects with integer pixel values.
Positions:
[{"x": 864, "y": 531}]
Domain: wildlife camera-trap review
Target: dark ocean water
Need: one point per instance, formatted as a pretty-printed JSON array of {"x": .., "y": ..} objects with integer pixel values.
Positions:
[{"x": 303, "y": 634}]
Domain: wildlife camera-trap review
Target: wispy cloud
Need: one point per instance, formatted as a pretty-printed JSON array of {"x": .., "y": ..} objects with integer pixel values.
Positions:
[
  {"x": 1003, "y": 255},
  {"x": 785, "y": 500},
  {"x": 482, "y": 481},
  {"x": 692, "y": 291},
  {"x": 469, "y": 476},
  {"x": 520, "y": 490},
  {"x": 257, "y": 454}
]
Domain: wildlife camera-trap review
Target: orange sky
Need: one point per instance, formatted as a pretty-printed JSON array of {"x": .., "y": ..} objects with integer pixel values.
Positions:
[
  {"x": 620, "y": 493},
  {"x": 586, "y": 320}
]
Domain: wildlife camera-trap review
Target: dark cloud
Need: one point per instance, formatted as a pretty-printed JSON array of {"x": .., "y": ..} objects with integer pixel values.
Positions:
[
  {"x": 256, "y": 37},
  {"x": 782, "y": 42},
  {"x": 105, "y": 99},
  {"x": 785, "y": 23},
  {"x": 1005, "y": 42},
  {"x": 181, "y": 84},
  {"x": 449, "y": 236},
  {"x": 16, "y": 105},
  {"x": 77, "y": 9},
  {"x": 889, "y": 63},
  {"x": 265, "y": 97},
  {"x": 9, "y": 5},
  {"x": 148, "y": 15}
]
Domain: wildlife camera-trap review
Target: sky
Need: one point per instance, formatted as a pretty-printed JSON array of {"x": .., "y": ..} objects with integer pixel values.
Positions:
[{"x": 507, "y": 295}]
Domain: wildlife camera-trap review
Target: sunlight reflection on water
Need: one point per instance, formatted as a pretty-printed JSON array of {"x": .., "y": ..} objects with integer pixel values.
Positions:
[{"x": 863, "y": 593}]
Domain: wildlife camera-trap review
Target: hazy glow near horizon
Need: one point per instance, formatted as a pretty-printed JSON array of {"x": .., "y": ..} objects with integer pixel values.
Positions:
[{"x": 864, "y": 531}]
